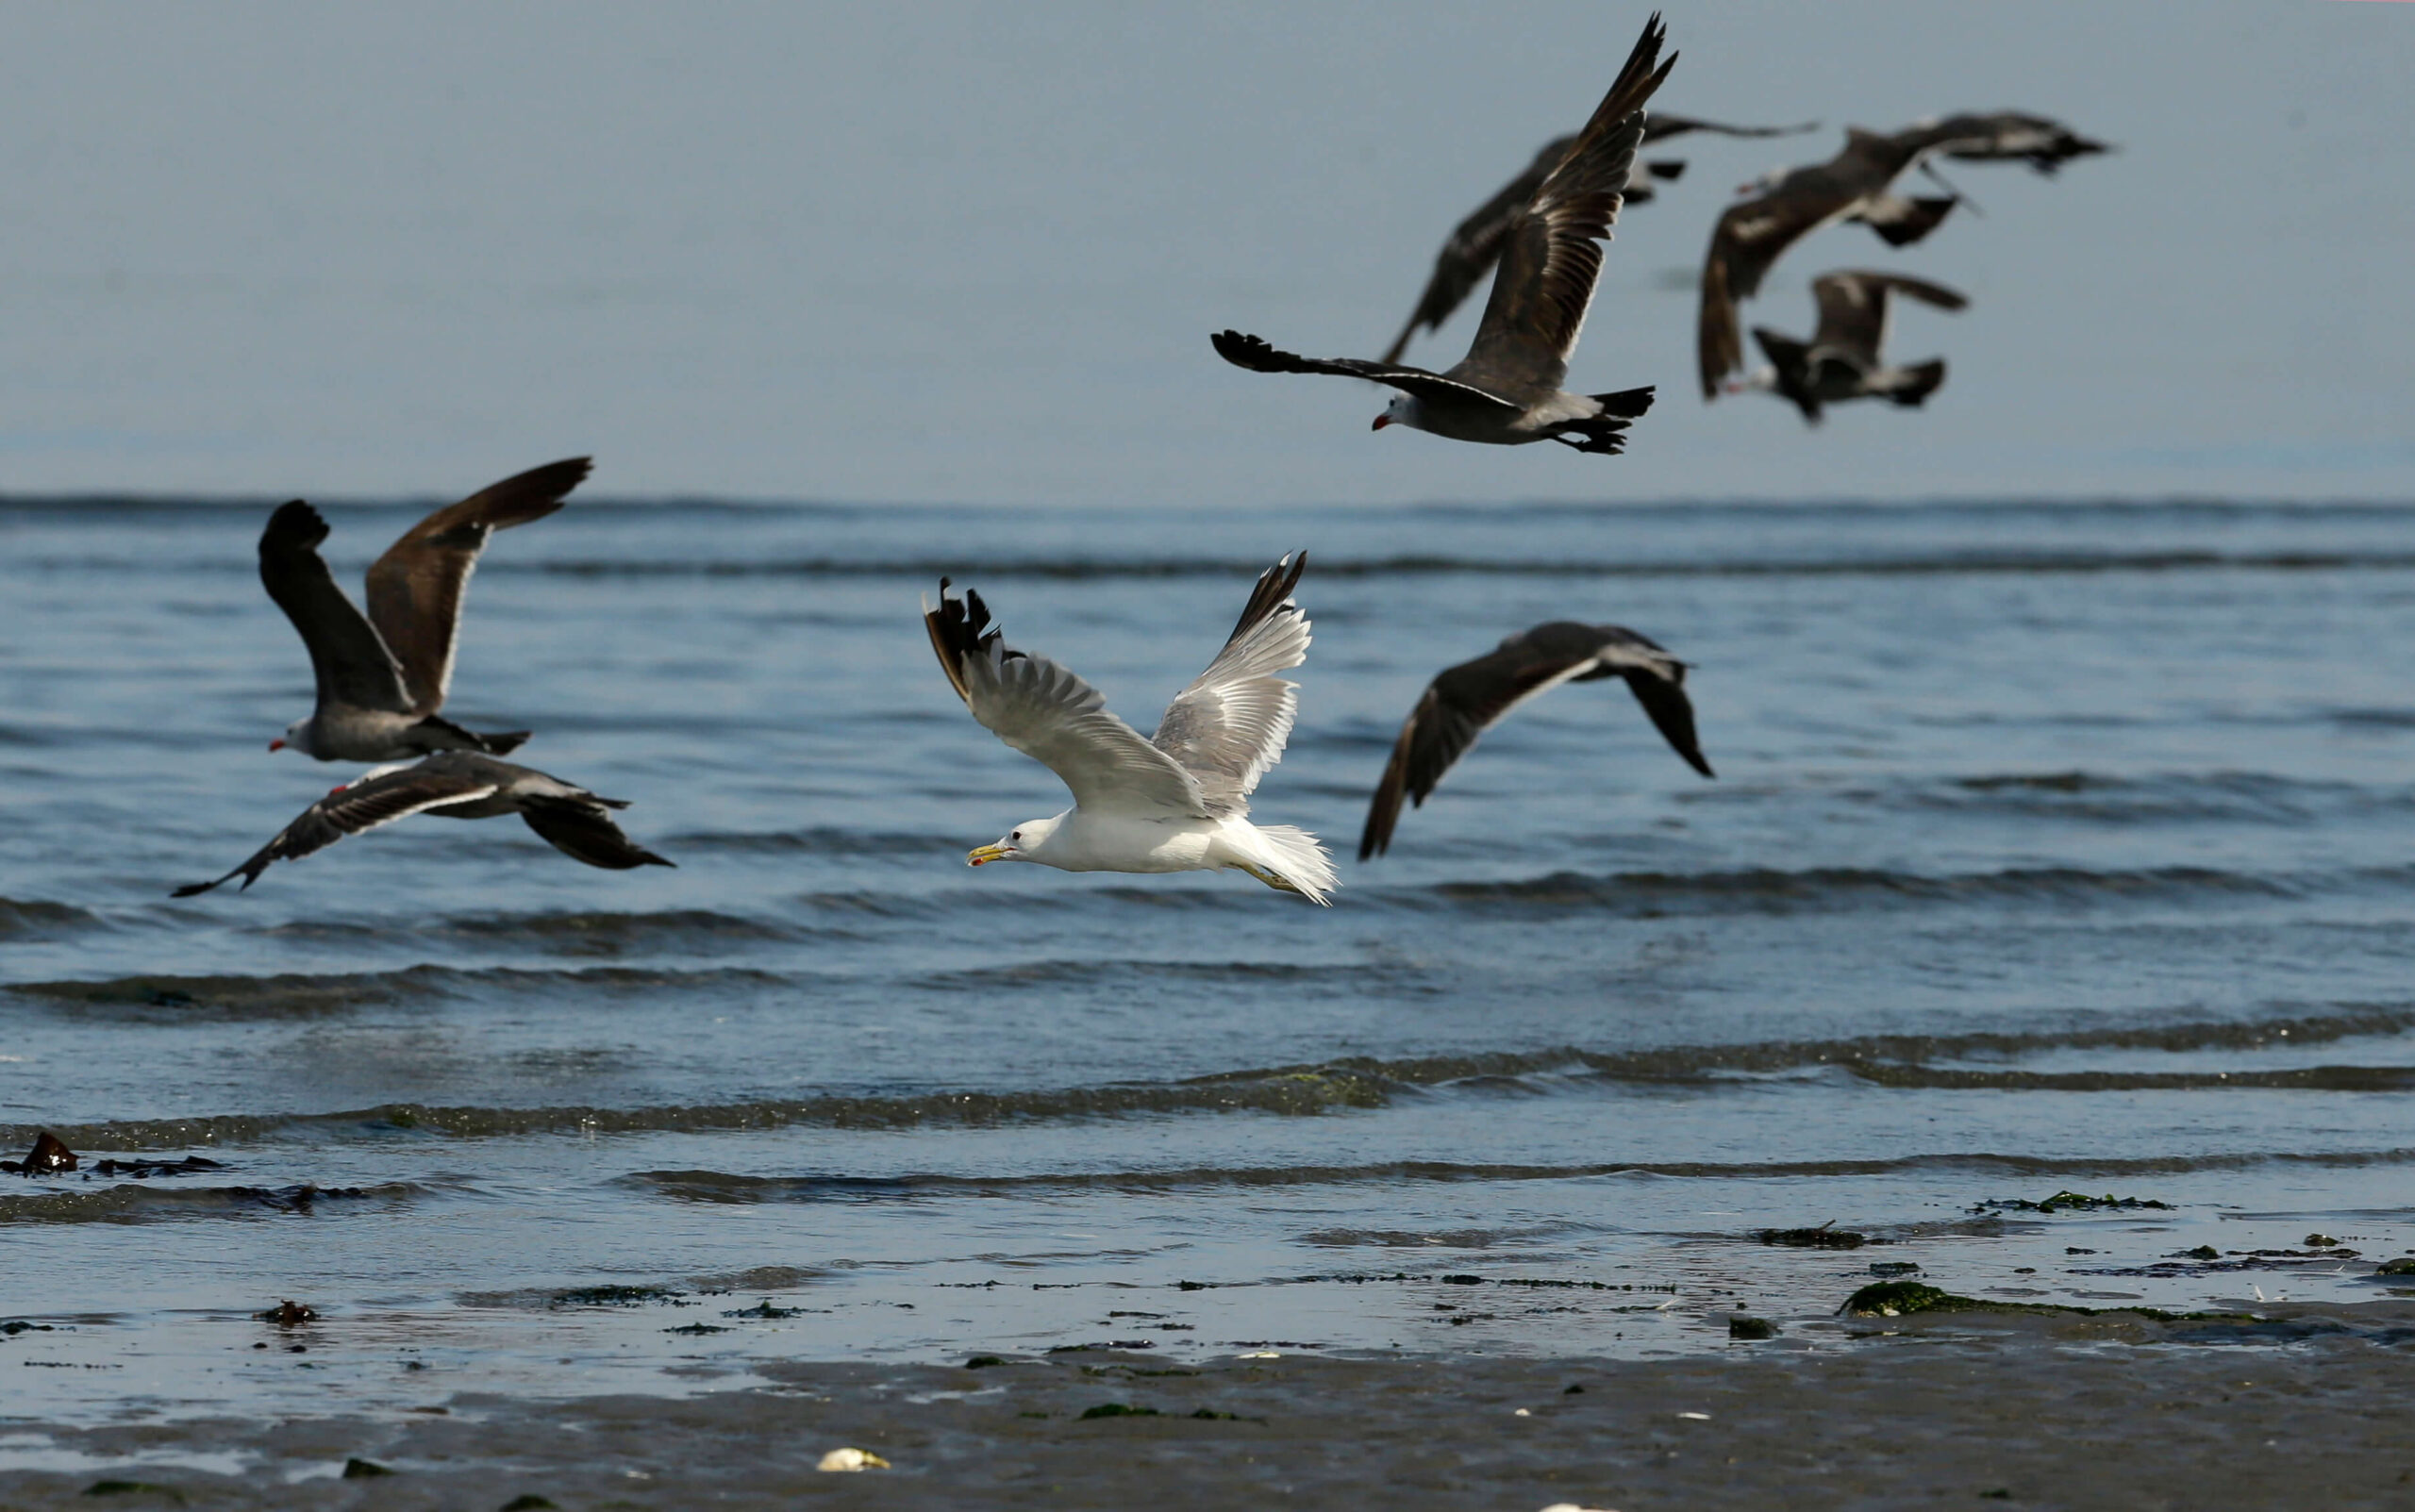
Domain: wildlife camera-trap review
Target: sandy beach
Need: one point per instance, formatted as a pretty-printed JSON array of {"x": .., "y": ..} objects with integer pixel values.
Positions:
[{"x": 2305, "y": 1408}]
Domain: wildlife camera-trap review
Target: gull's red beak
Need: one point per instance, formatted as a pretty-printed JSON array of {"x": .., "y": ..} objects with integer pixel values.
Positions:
[
  {"x": 277, "y": 744},
  {"x": 1381, "y": 420}
]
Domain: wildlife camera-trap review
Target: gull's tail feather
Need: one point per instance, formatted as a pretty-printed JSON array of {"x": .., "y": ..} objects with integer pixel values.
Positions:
[{"x": 1290, "y": 858}]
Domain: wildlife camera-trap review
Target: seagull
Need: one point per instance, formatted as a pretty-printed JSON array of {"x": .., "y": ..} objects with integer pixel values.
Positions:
[
  {"x": 1784, "y": 207},
  {"x": 2046, "y": 145},
  {"x": 1176, "y": 802},
  {"x": 1506, "y": 392},
  {"x": 382, "y": 677},
  {"x": 454, "y": 785},
  {"x": 1841, "y": 360},
  {"x": 1474, "y": 244},
  {"x": 1464, "y": 702}
]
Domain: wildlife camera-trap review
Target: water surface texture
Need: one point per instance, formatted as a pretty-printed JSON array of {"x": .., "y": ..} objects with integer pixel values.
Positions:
[{"x": 2052, "y": 847}]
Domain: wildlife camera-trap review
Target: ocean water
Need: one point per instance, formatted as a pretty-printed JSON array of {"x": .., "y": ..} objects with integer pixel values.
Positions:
[{"x": 2052, "y": 847}]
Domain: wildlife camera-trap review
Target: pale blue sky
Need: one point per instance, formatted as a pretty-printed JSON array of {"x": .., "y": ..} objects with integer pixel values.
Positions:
[{"x": 953, "y": 251}]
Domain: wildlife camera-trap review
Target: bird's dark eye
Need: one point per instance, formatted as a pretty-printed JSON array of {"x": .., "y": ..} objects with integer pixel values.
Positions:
[{"x": 1016, "y": 837}]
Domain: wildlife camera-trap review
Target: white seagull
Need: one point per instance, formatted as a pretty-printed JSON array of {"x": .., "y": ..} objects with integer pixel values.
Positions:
[{"x": 1176, "y": 802}]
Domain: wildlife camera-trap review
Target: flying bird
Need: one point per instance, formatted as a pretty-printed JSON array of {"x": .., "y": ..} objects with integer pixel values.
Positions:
[
  {"x": 1506, "y": 392},
  {"x": 1474, "y": 244},
  {"x": 1843, "y": 361},
  {"x": 1175, "y": 802},
  {"x": 1465, "y": 701},
  {"x": 1855, "y": 185},
  {"x": 2001, "y": 135},
  {"x": 382, "y": 676},
  {"x": 454, "y": 785}
]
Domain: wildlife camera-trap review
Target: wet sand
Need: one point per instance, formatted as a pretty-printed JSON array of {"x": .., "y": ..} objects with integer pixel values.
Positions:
[{"x": 2303, "y": 1408}]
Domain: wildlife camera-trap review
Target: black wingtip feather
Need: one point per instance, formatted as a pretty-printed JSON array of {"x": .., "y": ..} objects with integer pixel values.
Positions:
[
  {"x": 1274, "y": 588},
  {"x": 960, "y": 627},
  {"x": 295, "y": 523}
]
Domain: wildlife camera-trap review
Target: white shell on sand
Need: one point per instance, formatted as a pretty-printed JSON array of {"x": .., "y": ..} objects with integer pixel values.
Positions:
[{"x": 846, "y": 1459}]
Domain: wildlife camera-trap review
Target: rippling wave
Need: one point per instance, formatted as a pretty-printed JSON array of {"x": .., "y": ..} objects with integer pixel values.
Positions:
[
  {"x": 1770, "y": 890},
  {"x": 34, "y": 918},
  {"x": 1327, "y": 1087},
  {"x": 298, "y": 994},
  {"x": 724, "y": 1186},
  {"x": 136, "y": 1202}
]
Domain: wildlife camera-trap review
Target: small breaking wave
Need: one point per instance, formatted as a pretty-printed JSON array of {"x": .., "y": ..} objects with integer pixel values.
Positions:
[{"x": 38, "y": 919}]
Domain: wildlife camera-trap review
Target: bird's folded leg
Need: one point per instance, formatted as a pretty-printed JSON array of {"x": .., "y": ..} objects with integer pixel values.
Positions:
[
  {"x": 1270, "y": 880},
  {"x": 1604, "y": 440}
]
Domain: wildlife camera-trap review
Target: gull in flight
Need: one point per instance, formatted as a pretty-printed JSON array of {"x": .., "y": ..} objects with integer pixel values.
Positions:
[
  {"x": 1474, "y": 243},
  {"x": 1506, "y": 390},
  {"x": 1465, "y": 701},
  {"x": 1175, "y": 802},
  {"x": 1855, "y": 185},
  {"x": 1844, "y": 359},
  {"x": 454, "y": 785},
  {"x": 383, "y": 675}
]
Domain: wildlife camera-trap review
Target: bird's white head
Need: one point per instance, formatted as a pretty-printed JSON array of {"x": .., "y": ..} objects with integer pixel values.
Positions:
[
  {"x": 1401, "y": 411},
  {"x": 1023, "y": 844},
  {"x": 297, "y": 735}
]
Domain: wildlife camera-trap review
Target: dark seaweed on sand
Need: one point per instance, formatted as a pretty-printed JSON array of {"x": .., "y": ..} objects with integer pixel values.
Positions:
[
  {"x": 2070, "y": 1202},
  {"x": 1896, "y": 1299},
  {"x": 1827, "y": 1237},
  {"x": 49, "y": 1155}
]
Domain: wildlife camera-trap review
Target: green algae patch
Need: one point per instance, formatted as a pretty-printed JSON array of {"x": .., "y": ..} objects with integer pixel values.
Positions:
[
  {"x": 1901, "y": 1299},
  {"x": 1118, "y": 1409}
]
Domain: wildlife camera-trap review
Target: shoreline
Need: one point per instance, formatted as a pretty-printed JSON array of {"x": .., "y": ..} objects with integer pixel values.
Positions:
[{"x": 2303, "y": 1407}]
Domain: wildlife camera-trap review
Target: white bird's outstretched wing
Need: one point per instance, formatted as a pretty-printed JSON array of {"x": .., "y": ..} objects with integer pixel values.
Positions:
[
  {"x": 1229, "y": 725},
  {"x": 1055, "y": 717}
]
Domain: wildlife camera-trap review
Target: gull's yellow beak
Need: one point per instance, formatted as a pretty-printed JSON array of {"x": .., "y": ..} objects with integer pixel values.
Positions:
[{"x": 987, "y": 854}]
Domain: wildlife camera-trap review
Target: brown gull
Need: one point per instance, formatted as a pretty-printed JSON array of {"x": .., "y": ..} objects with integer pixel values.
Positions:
[
  {"x": 454, "y": 785},
  {"x": 1506, "y": 392},
  {"x": 1465, "y": 701},
  {"x": 382, "y": 676}
]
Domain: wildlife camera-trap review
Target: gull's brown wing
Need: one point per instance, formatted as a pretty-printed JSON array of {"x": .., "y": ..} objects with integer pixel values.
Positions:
[
  {"x": 1662, "y": 125},
  {"x": 1749, "y": 237},
  {"x": 1475, "y": 246},
  {"x": 1551, "y": 254},
  {"x": 349, "y": 661},
  {"x": 1464, "y": 701},
  {"x": 1253, "y": 353},
  {"x": 1752, "y": 233},
  {"x": 415, "y": 589},
  {"x": 1852, "y": 307},
  {"x": 379, "y": 799},
  {"x": 1459, "y": 704}
]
